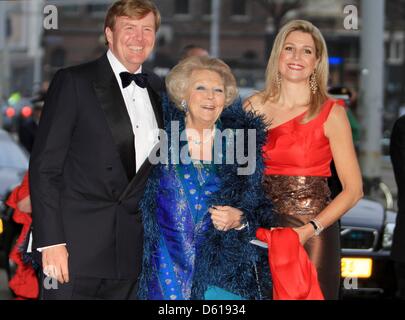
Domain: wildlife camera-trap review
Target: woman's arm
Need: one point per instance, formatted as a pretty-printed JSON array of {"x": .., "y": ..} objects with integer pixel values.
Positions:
[
  {"x": 337, "y": 129},
  {"x": 253, "y": 103}
]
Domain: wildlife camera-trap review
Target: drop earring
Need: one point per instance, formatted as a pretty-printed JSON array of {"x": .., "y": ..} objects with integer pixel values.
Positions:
[
  {"x": 278, "y": 80},
  {"x": 312, "y": 83},
  {"x": 184, "y": 106}
]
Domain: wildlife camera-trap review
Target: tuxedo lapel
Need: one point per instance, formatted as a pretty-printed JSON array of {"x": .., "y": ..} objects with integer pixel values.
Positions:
[
  {"x": 113, "y": 105},
  {"x": 156, "y": 105},
  {"x": 138, "y": 180},
  {"x": 156, "y": 102}
]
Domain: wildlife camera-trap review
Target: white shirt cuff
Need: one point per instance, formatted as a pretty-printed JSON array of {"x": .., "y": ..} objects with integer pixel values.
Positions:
[{"x": 55, "y": 245}]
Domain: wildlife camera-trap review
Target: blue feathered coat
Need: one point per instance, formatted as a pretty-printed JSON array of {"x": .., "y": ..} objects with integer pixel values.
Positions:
[{"x": 225, "y": 259}]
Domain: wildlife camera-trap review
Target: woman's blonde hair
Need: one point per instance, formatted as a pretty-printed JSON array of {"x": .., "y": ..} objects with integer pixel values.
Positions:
[
  {"x": 178, "y": 79},
  {"x": 272, "y": 89}
]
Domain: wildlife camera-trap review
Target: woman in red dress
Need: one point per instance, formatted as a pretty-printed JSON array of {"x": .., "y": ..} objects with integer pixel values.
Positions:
[{"x": 306, "y": 130}]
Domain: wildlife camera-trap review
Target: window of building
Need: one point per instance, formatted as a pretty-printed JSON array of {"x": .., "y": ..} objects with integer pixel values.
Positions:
[
  {"x": 238, "y": 7},
  {"x": 97, "y": 9},
  {"x": 395, "y": 49},
  {"x": 58, "y": 57},
  {"x": 70, "y": 10},
  {"x": 9, "y": 28},
  {"x": 182, "y": 7},
  {"x": 207, "y": 8}
]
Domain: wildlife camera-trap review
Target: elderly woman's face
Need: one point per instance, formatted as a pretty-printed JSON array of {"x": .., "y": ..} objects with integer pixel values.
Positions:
[
  {"x": 298, "y": 57},
  {"x": 206, "y": 97}
]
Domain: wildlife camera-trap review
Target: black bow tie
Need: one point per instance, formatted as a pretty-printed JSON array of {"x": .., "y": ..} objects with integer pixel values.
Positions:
[{"x": 141, "y": 79}]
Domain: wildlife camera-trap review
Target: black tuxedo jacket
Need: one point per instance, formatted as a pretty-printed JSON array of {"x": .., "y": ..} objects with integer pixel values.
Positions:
[
  {"x": 397, "y": 152},
  {"x": 84, "y": 189}
]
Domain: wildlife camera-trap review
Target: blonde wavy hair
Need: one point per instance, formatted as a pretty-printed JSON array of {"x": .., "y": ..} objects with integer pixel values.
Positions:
[
  {"x": 272, "y": 90},
  {"x": 178, "y": 79}
]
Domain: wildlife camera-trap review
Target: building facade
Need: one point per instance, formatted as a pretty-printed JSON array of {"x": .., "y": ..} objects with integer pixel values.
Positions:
[{"x": 247, "y": 29}]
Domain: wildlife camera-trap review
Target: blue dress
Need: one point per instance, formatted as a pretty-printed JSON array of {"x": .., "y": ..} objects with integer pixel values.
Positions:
[{"x": 182, "y": 217}]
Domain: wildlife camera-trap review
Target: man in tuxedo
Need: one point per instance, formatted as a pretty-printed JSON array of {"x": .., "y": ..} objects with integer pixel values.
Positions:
[
  {"x": 89, "y": 163},
  {"x": 397, "y": 152}
]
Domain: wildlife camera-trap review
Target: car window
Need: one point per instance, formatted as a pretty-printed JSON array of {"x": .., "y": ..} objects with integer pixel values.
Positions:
[{"x": 12, "y": 156}]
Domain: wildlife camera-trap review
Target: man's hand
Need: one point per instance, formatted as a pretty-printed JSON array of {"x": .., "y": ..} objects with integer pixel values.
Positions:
[{"x": 55, "y": 263}]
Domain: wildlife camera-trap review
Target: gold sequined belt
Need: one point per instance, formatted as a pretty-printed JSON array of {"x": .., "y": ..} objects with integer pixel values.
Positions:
[{"x": 297, "y": 195}]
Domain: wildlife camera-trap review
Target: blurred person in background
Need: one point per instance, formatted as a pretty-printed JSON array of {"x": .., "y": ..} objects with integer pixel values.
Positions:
[
  {"x": 193, "y": 50},
  {"x": 27, "y": 129}
]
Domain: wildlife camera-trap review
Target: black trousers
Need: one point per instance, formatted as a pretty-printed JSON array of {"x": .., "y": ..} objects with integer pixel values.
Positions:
[
  {"x": 400, "y": 275},
  {"x": 83, "y": 288}
]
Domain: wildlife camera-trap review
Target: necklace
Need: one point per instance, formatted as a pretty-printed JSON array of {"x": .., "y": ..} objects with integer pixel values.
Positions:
[
  {"x": 205, "y": 140},
  {"x": 199, "y": 166}
]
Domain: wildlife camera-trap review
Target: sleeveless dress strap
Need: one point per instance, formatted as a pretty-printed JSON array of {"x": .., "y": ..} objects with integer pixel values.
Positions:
[{"x": 326, "y": 109}]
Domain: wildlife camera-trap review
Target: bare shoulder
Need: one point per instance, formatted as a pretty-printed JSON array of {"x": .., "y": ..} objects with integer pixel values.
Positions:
[
  {"x": 337, "y": 114},
  {"x": 337, "y": 121},
  {"x": 253, "y": 103}
]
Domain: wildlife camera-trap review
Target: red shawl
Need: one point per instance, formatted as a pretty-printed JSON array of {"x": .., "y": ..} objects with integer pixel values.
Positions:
[
  {"x": 294, "y": 276},
  {"x": 24, "y": 283}
]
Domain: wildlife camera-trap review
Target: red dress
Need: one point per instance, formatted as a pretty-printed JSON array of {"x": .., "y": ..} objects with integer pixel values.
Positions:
[
  {"x": 297, "y": 157},
  {"x": 299, "y": 149}
]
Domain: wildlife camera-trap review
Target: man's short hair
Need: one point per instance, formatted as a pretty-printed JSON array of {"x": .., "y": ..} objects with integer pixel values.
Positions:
[{"x": 131, "y": 8}]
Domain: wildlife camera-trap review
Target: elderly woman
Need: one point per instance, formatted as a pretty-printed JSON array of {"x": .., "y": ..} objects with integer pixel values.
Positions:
[{"x": 199, "y": 214}]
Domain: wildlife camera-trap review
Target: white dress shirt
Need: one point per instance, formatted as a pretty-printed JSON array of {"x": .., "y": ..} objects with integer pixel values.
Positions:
[{"x": 143, "y": 119}]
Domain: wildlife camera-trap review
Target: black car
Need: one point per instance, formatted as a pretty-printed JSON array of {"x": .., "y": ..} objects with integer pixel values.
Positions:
[
  {"x": 366, "y": 239},
  {"x": 13, "y": 166}
]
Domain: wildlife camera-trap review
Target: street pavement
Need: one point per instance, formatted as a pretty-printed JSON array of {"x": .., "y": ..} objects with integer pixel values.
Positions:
[{"x": 4, "y": 291}]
